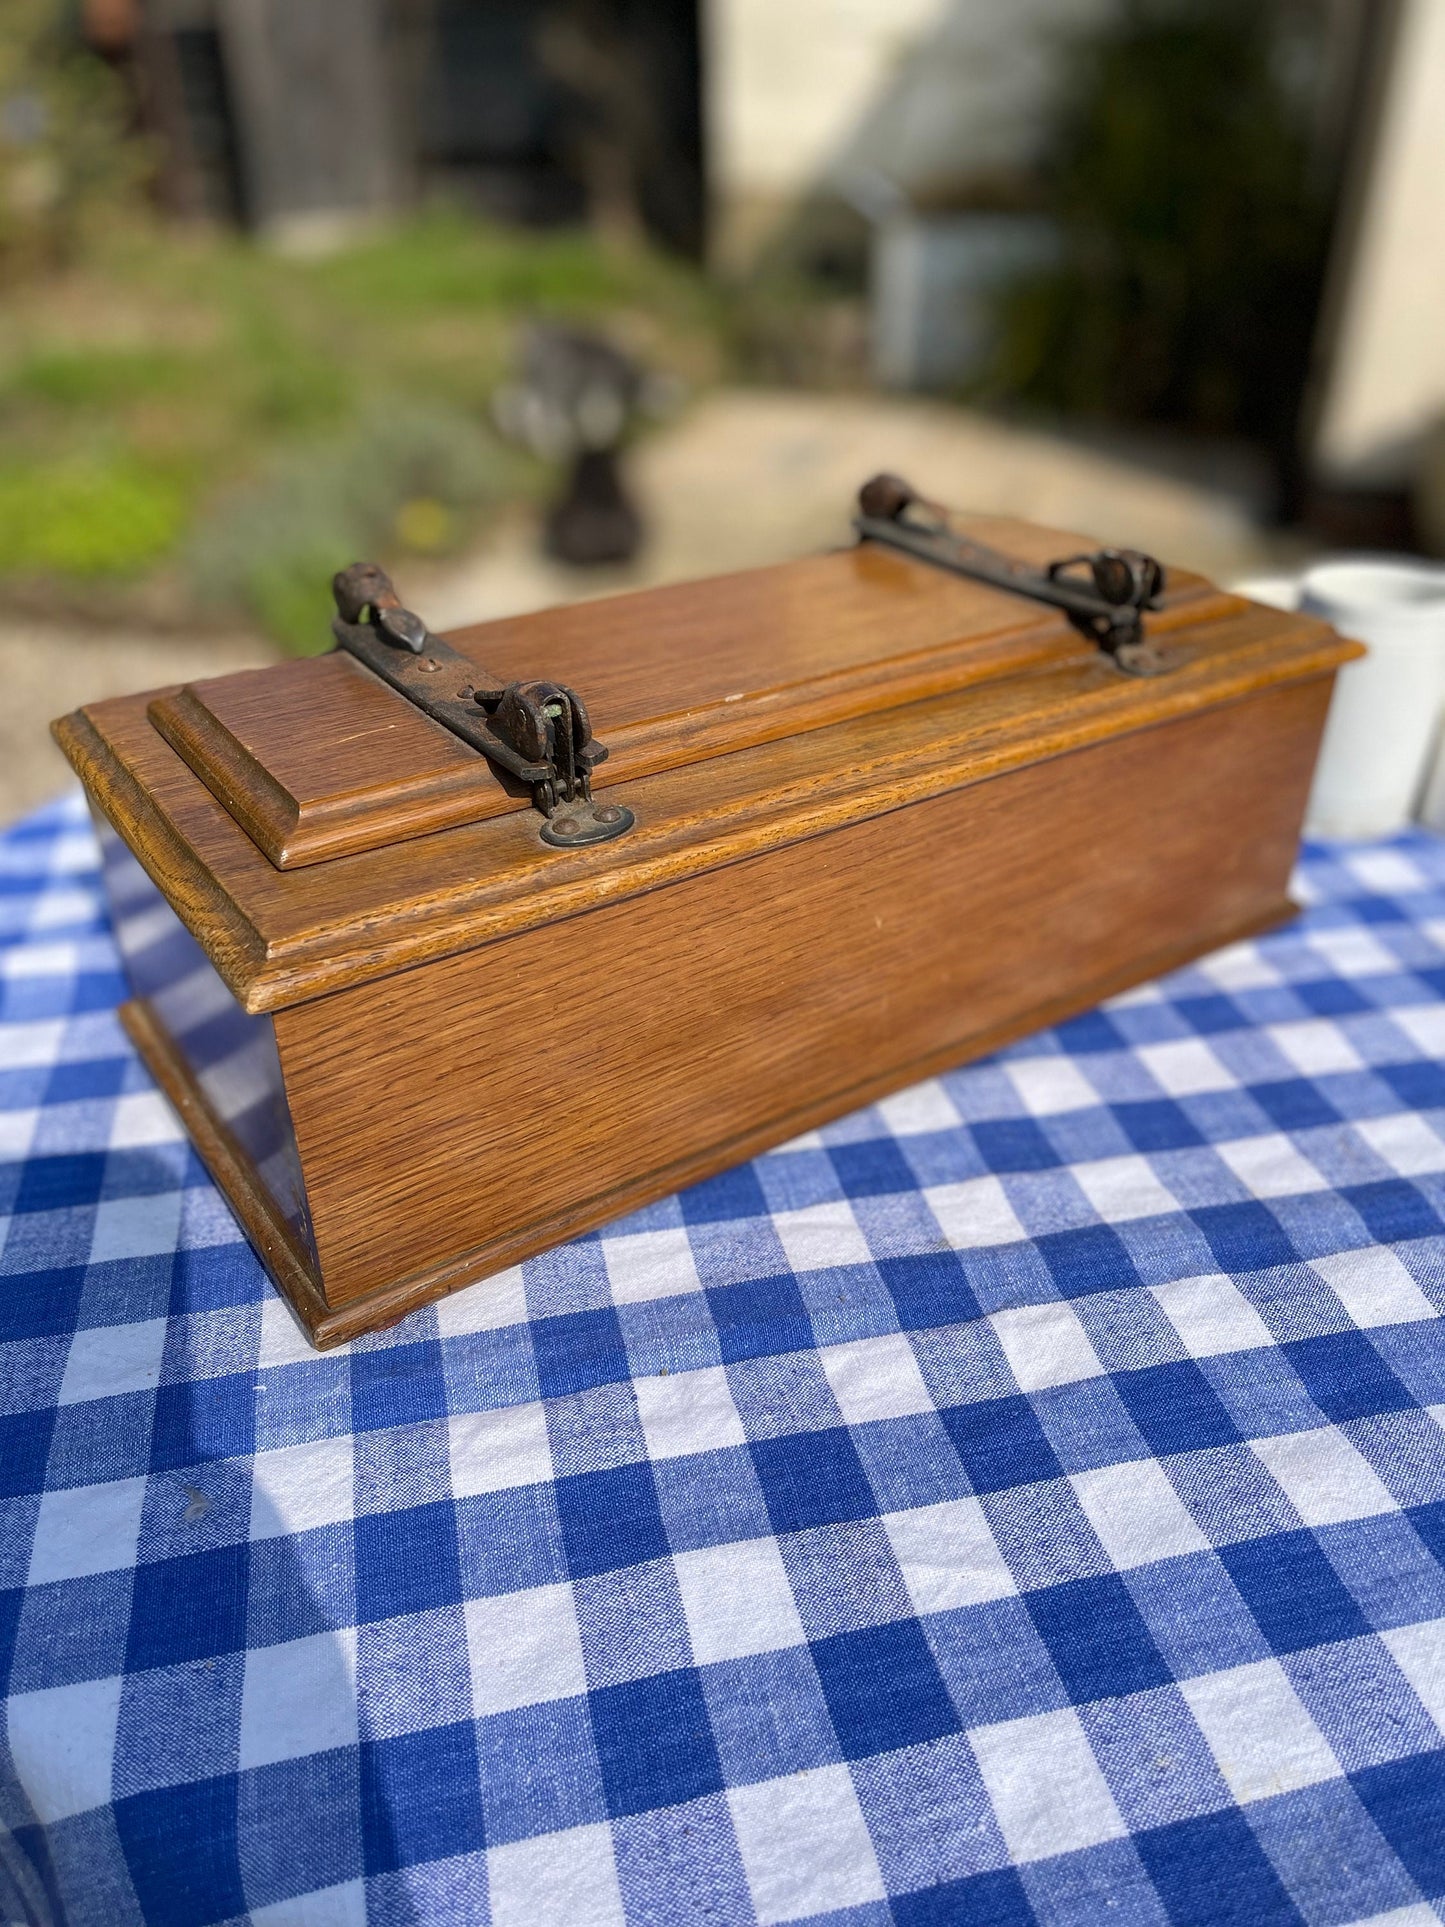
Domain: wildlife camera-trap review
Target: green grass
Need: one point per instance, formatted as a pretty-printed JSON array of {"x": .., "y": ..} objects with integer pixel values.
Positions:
[
  {"x": 82, "y": 519},
  {"x": 248, "y": 422}
]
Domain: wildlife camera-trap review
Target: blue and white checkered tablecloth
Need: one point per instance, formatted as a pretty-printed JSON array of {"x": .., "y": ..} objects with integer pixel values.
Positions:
[{"x": 1022, "y": 1502}]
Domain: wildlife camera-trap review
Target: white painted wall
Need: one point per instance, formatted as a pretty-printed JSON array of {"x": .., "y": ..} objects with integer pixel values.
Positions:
[
  {"x": 1385, "y": 381},
  {"x": 803, "y": 93}
]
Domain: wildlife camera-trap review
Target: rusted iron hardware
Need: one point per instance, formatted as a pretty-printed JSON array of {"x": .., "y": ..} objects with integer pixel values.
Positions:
[
  {"x": 535, "y": 734},
  {"x": 1104, "y": 594}
]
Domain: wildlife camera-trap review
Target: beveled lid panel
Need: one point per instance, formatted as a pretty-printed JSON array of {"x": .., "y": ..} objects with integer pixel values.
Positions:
[{"x": 319, "y": 759}]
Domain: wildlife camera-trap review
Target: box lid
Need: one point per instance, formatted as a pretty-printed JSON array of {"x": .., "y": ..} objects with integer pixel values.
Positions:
[{"x": 315, "y": 828}]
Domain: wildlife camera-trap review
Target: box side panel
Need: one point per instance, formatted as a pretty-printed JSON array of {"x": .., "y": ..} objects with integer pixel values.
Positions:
[
  {"x": 225, "y": 1058},
  {"x": 483, "y": 1106}
]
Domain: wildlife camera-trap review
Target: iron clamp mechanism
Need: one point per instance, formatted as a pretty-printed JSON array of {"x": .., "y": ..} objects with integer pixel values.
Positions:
[{"x": 536, "y": 734}]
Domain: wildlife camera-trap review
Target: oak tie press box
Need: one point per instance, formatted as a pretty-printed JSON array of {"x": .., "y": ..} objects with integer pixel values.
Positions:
[{"x": 446, "y": 950}]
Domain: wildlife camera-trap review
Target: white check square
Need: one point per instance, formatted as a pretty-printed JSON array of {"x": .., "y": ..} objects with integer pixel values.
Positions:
[
  {"x": 524, "y": 1647},
  {"x": 1262, "y": 1739},
  {"x": 1137, "y": 1514},
  {"x": 650, "y": 1264},
  {"x": 1271, "y": 1167},
  {"x": 1045, "y": 1345},
  {"x": 1419, "y": 1652},
  {"x": 876, "y": 1378},
  {"x": 282, "y": 1340},
  {"x": 1048, "y": 1086},
  {"x": 298, "y": 1487},
  {"x": 688, "y": 1412},
  {"x": 1424, "y": 1025},
  {"x": 488, "y": 1307},
  {"x": 1324, "y": 1478},
  {"x": 805, "y": 1845},
  {"x": 1126, "y": 1187},
  {"x": 1374, "y": 1287},
  {"x": 1315, "y": 1046},
  {"x": 142, "y": 1227},
  {"x": 1353, "y": 953},
  {"x": 1239, "y": 966},
  {"x": 110, "y": 1359},
  {"x": 974, "y": 1213},
  {"x": 1405, "y": 1141},
  {"x": 341, "y": 1906},
  {"x": 1048, "y": 1794},
  {"x": 493, "y": 1451},
  {"x": 1185, "y": 1067},
  {"x": 33, "y": 1045},
  {"x": 556, "y": 1880},
  {"x": 914, "y": 1113},
  {"x": 821, "y": 1236},
  {"x": 141, "y": 1118},
  {"x": 737, "y": 1600},
  {"x": 1386, "y": 872},
  {"x": 62, "y": 1743},
  {"x": 1212, "y": 1316},
  {"x": 17, "y": 1132},
  {"x": 298, "y": 1698},
  {"x": 948, "y": 1556},
  {"x": 85, "y": 1529}
]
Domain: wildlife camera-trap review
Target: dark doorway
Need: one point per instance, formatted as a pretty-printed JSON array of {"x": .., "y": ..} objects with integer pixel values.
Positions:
[{"x": 555, "y": 111}]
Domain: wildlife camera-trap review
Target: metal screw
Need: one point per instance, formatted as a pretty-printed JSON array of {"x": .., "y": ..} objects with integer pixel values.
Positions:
[
  {"x": 428, "y": 665},
  {"x": 465, "y": 695},
  {"x": 565, "y": 825},
  {"x": 608, "y": 813}
]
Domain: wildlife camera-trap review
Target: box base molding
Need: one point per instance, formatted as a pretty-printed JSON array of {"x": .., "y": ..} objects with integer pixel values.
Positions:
[{"x": 294, "y": 1273}]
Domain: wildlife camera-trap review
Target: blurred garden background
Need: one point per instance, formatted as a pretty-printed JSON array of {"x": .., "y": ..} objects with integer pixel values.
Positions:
[{"x": 274, "y": 275}]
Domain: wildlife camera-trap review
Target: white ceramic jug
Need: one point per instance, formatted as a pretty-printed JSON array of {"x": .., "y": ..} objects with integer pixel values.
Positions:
[{"x": 1385, "y": 717}]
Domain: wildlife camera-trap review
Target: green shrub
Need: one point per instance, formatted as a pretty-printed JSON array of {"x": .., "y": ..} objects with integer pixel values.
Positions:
[
  {"x": 93, "y": 377},
  {"x": 272, "y": 547},
  {"x": 1192, "y": 216},
  {"x": 86, "y": 518}
]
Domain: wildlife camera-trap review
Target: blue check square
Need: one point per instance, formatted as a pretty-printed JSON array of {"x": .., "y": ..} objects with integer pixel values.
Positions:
[
  {"x": 577, "y": 1350},
  {"x": 181, "y": 1851},
  {"x": 1001, "y": 1443},
  {"x": 397, "y": 1385},
  {"x": 406, "y": 1561},
  {"x": 1346, "y": 1377},
  {"x": 1097, "y": 1638},
  {"x": 929, "y": 1288},
  {"x": 1092, "y": 1258},
  {"x": 420, "y": 1797},
  {"x": 883, "y": 1688},
  {"x": 193, "y": 1607},
  {"x": 1176, "y": 1408},
  {"x": 1210, "y": 1870},
  {"x": 1293, "y": 1591},
  {"x": 812, "y": 1479},
  {"x": 610, "y": 1519},
  {"x": 654, "y": 1742}
]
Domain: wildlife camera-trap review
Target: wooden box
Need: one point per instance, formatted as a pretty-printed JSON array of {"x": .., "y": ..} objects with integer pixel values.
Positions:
[{"x": 887, "y": 817}]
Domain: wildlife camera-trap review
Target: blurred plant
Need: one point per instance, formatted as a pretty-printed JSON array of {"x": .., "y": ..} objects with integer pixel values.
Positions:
[
  {"x": 406, "y": 476},
  {"x": 88, "y": 516},
  {"x": 188, "y": 395},
  {"x": 68, "y": 156},
  {"x": 1193, "y": 223}
]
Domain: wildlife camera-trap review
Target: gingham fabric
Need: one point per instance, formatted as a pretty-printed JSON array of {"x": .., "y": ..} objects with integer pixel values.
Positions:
[{"x": 1022, "y": 1502}]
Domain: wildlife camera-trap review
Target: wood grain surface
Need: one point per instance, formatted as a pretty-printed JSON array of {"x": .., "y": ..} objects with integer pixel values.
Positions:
[
  {"x": 321, "y": 759},
  {"x": 456, "y": 1118},
  {"x": 886, "y": 820},
  {"x": 280, "y": 937}
]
